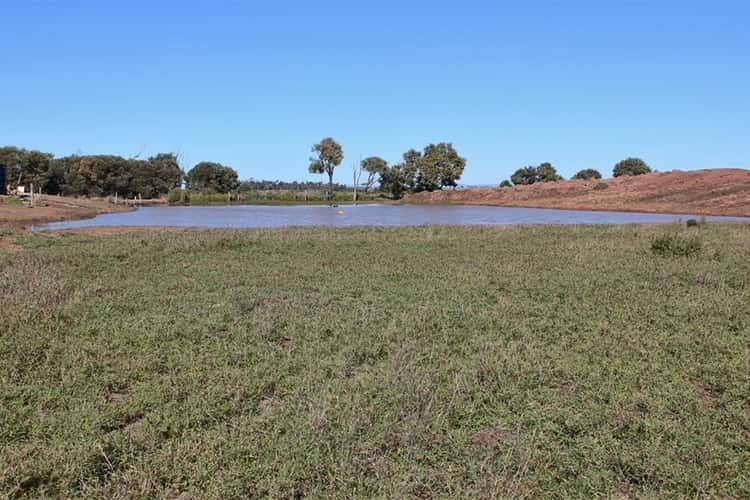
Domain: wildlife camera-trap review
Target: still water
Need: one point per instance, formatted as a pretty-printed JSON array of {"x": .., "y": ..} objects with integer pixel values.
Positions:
[{"x": 258, "y": 216}]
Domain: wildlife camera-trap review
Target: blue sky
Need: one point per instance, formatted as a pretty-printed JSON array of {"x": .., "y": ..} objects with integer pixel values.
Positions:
[{"x": 254, "y": 84}]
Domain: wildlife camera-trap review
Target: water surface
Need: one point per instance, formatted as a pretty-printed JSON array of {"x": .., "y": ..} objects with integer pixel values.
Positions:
[{"x": 260, "y": 216}]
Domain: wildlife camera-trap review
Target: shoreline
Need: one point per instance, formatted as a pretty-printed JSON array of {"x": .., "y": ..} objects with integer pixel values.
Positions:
[
  {"x": 580, "y": 208},
  {"x": 16, "y": 219},
  {"x": 50, "y": 208}
]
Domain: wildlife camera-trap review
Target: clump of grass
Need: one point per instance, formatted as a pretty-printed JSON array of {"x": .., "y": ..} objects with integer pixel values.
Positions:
[
  {"x": 692, "y": 223},
  {"x": 675, "y": 245},
  {"x": 10, "y": 200}
]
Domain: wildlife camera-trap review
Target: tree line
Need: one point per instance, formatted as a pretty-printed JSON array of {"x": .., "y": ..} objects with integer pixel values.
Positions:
[
  {"x": 435, "y": 167},
  {"x": 92, "y": 175},
  {"x": 545, "y": 172}
]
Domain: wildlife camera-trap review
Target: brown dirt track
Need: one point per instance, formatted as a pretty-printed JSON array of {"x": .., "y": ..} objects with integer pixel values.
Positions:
[{"x": 724, "y": 191}]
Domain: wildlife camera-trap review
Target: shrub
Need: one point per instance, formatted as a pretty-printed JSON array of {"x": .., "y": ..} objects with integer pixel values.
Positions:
[
  {"x": 547, "y": 173},
  {"x": 524, "y": 176},
  {"x": 588, "y": 174},
  {"x": 692, "y": 223},
  {"x": 177, "y": 195},
  {"x": 531, "y": 175},
  {"x": 506, "y": 184},
  {"x": 631, "y": 166},
  {"x": 674, "y": 245}
]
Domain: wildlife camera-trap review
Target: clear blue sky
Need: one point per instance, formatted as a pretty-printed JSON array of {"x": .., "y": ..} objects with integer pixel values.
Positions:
[{"x": 254, "y": 84}]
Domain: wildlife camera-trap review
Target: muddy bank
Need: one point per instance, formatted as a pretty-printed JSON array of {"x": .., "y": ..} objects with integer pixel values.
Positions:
[
  {"x": 705, "y": 192},
  {"x": 54, "y": 208},
  {"x": 14, "y": 216}
]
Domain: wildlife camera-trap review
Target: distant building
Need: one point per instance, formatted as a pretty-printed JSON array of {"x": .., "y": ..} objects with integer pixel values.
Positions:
[{"x": 3, "y": 180}]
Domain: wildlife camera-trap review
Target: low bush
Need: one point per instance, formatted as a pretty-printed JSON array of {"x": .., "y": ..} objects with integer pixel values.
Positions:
[
  {"x": 631, "y": 166},
  {"x": 674, "y": 245},
  {"x": 588, "y": 174},
  {"x": 177, "y": 195}
]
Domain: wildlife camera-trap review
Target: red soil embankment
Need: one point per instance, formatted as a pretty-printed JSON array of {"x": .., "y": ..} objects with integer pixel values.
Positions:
[{"x": 723, "y": 191}]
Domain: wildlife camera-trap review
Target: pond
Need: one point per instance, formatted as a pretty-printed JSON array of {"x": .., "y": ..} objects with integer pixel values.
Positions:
[{"x": 258, "y": 216}]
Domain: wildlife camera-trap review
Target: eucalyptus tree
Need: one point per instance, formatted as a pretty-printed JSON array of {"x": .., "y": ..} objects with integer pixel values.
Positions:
[
  {"x": 374, "y": 166},
  {"x": 327, "y": 155}
]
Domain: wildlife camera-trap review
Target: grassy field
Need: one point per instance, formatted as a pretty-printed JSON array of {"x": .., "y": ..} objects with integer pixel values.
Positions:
[{"x": 402, "y": 362}]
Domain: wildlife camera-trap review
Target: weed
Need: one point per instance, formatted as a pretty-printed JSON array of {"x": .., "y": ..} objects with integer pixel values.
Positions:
[{"x": 674, "y": 245}]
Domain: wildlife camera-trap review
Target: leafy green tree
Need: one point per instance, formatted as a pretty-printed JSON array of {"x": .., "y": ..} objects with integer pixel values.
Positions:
[
  {"x": 547, "y": 173},
  {"x": 439, "y": 166},
  {"x": 211, "y": 176},
  {"x": 54, "y": 179},
  {"x": 26, "y": 166},
  {"x": 393, "y": 181},
  {"x": 631, "y": 166},
  {"x": 156, "y": 176},
  {"x": 12, "y": 157},
  {"x": 409, "y": 170},
  {"x": 525, "y": 176},
  {"x": 374, "y": 166},
  {"x": 588, "y": 174},
  {"x": 506, "y": 183},
  {"x": 328, "y": 154},
  {"x": 531, "y": 175}
]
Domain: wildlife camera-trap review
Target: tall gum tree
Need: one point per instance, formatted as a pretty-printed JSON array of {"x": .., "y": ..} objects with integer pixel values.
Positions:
[{"x": 327, "y": 155}]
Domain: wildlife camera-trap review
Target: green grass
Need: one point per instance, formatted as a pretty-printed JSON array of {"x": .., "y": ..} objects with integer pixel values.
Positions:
[
  {"x": 403, "y": 362},
  {"x": 10, "y": 200},
  {"x": 273, "y": 197}
]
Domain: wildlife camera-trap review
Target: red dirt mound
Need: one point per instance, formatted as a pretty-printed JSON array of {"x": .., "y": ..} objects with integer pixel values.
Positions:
[{"x": 724, "y": 191}]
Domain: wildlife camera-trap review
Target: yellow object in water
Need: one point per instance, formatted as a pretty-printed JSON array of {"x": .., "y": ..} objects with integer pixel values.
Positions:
[{"x": 340, "y": 212}]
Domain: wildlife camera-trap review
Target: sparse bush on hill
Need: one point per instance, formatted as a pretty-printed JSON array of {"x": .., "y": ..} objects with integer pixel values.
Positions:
[
  {"x": 588, "y": 174},
  {"x": 506, "y": 183},
  {"x": 545, "y": 172},
  {"x": 631, "y": 166},
  {"x": 674, "y": 245},
  {"x": 524, "y": 176}
]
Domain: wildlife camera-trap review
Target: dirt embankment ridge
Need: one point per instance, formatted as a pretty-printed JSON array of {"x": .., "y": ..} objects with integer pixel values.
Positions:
[{"x": 721, "y": 191}]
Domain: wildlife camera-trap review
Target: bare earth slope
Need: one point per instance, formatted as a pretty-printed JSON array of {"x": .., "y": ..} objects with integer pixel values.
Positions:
[
  {"x": 724, "y": 191},
  {"x": 55, "y": 208}
]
